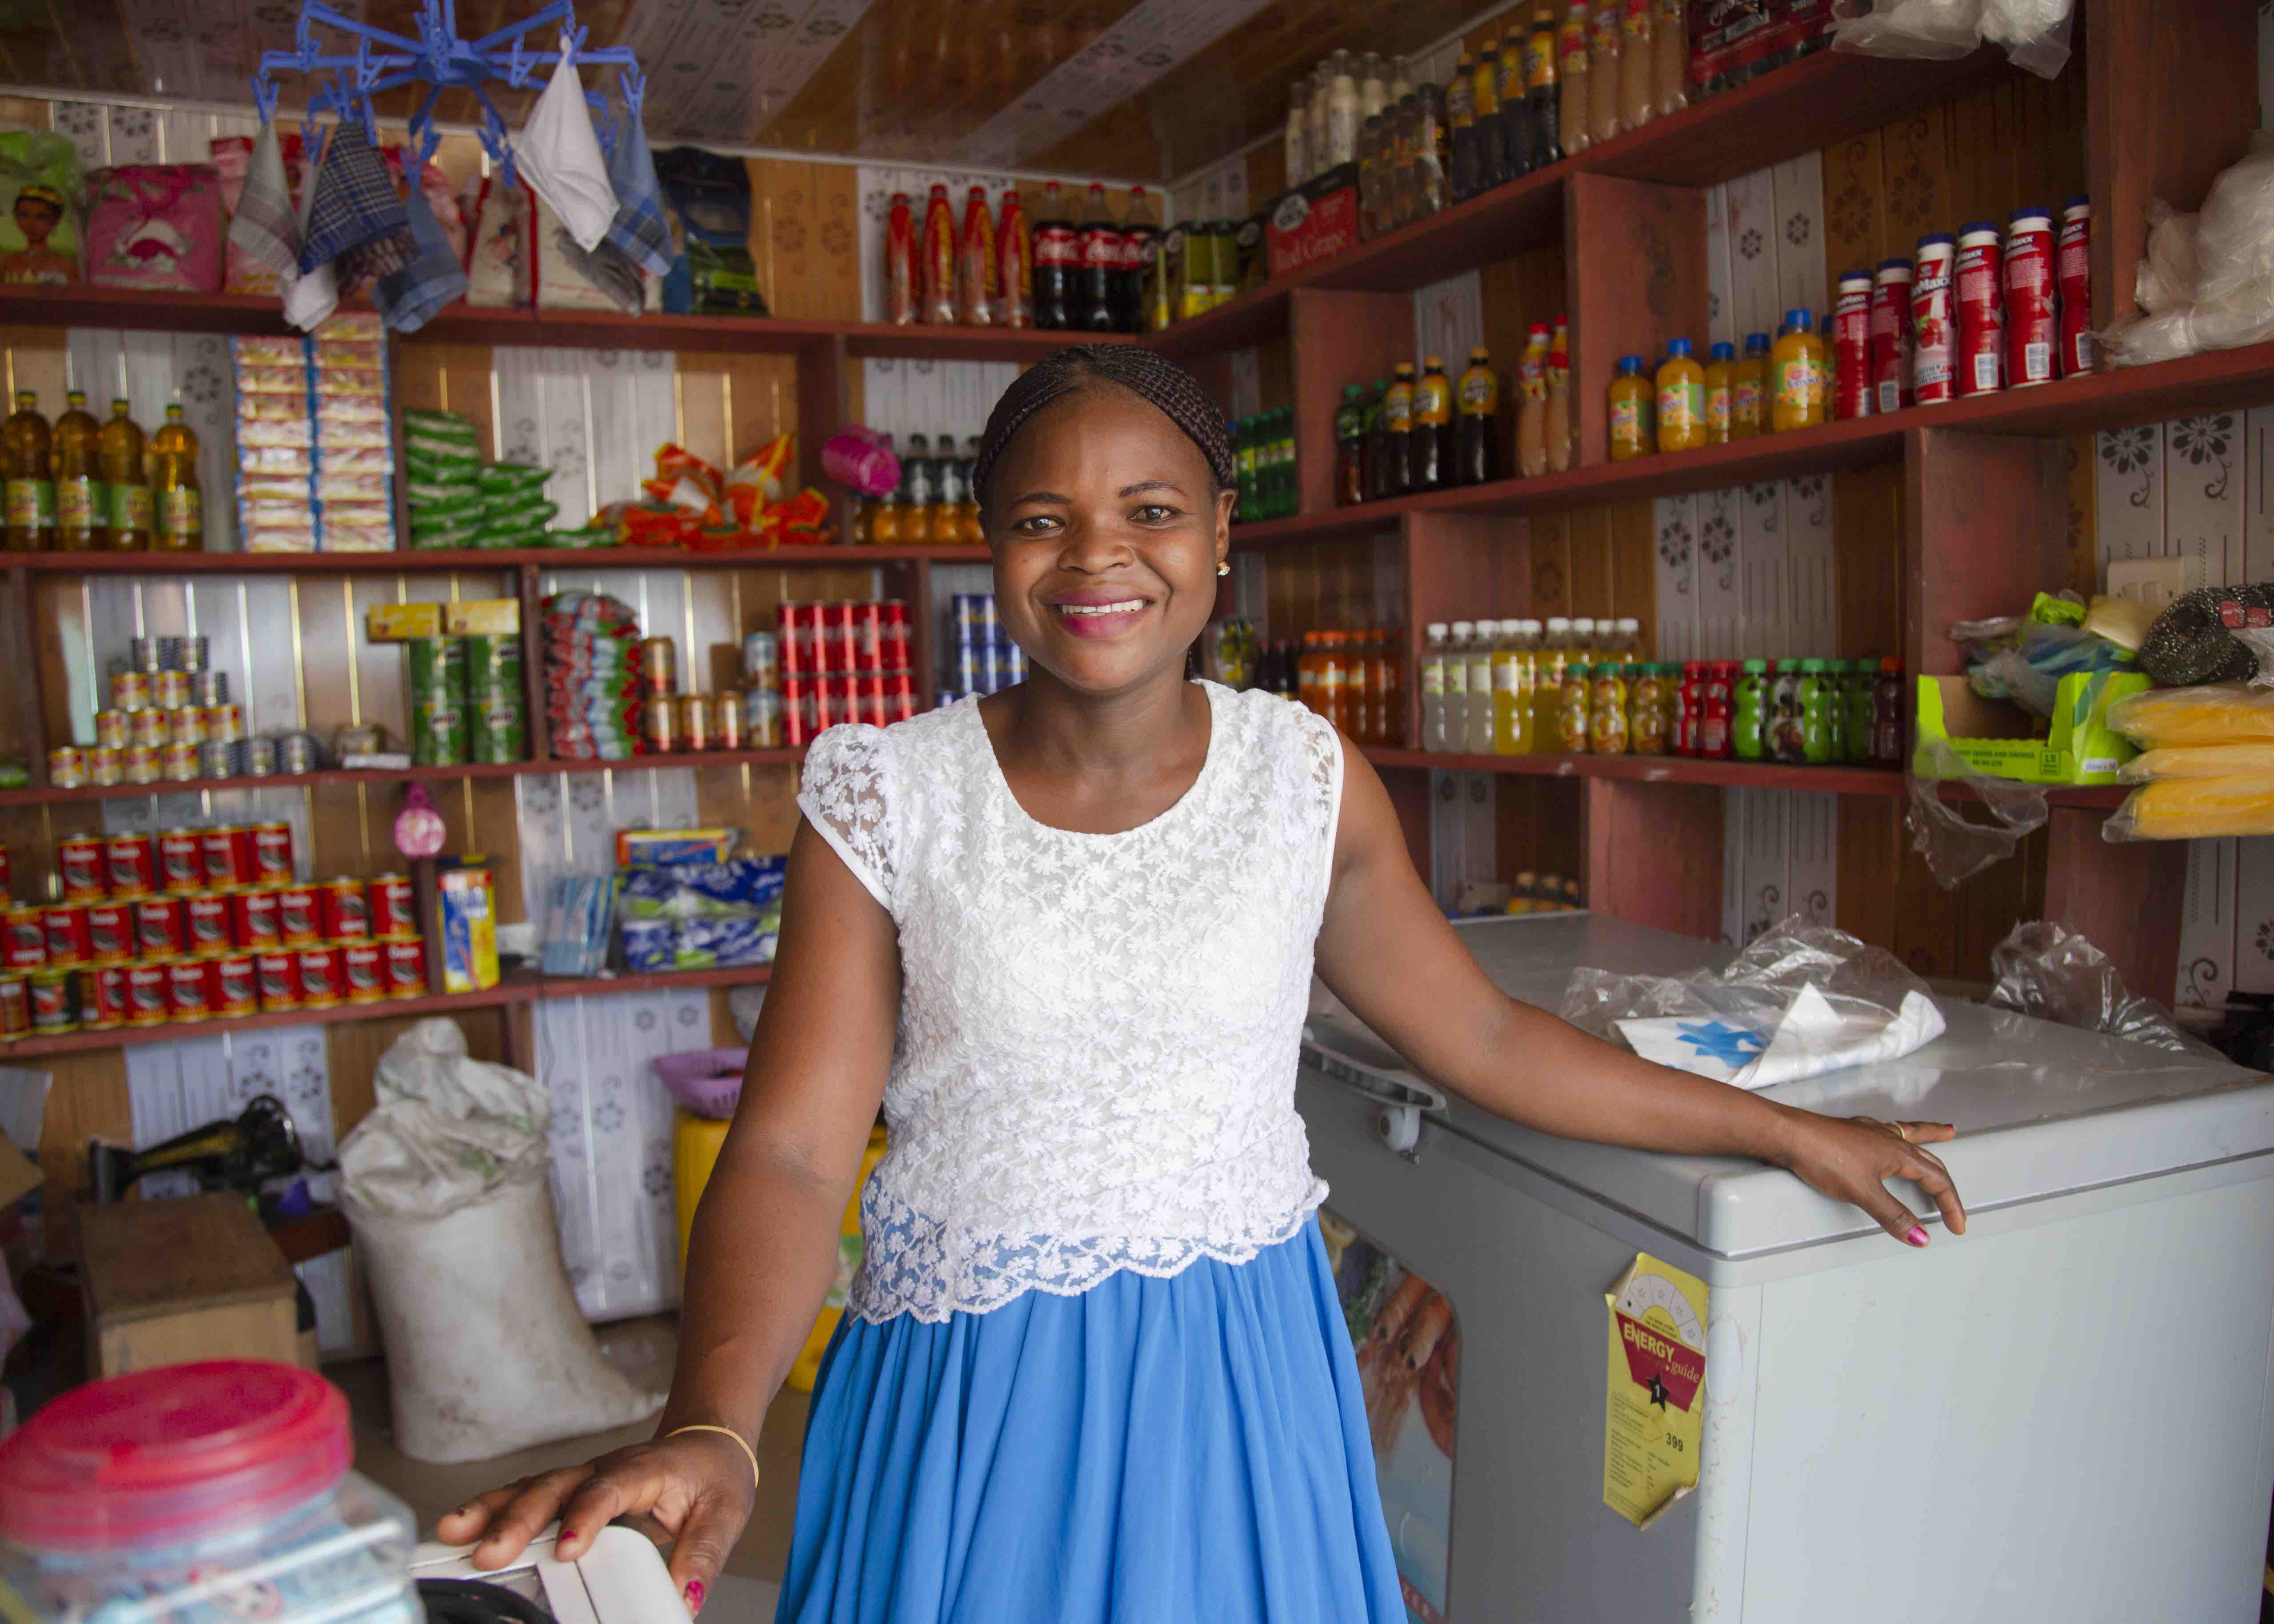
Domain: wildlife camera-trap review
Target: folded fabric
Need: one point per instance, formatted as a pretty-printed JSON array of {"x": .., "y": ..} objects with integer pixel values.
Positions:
[
  {"x": 311, "y": 296},
  {"x": 608, "y": 267},
  {"x": 559, "y": 157},
  {"x": 266, "y": 226},
  {"x": 355, "y": 203},
  {"x": 1812, "y": 1037},
  {"x": 410, "y": 298},
  {"x": 639, "y": 229}
]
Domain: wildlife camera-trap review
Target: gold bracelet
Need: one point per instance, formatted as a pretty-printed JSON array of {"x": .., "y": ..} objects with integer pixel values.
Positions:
[{"x": 705, "y": 1426}]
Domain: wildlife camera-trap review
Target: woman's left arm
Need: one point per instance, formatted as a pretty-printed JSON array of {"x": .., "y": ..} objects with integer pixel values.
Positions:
[{"x": 1440, "y": 1010}]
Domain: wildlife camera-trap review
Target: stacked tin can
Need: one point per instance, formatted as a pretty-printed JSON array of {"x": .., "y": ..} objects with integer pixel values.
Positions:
[
  {"x": 196, "y": 924},
  {"x": 169, "y": 719},
  {"x": 466, "y": 701},
  {"x": 980, "y": 659},
  {"x": 842, "y": 662}
]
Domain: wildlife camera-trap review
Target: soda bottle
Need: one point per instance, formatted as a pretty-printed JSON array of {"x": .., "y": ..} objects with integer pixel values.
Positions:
[
  {"x": 1394, "y": 448},
  {"x": 1140, "y": 250},
  {"x": 1553, "y": 654},
  {"x": 1788, "y": 741},
  {"x": 1514, "y": 112},
  {"x": 1432, "y": 456},
  {"x": 947, "y": 493},
  {"x": 1014, "y": 267},
  {"x": 79, "y": 502},
  {"x": 916, "y": 493},
  {"x": 27, "y": 462},
  {"x": 1888, "y": 712},
  {"x": 1461, "y": 115},
  {"x": 1055, "y": 256},
  {"x": 885, "y": 513},
  {"x": 1476, "y": 447},
  {"x": 1559, "y": 399},
  {"x": 119, "y": 450},
  {"x": 1836, "y": 682},
  {"x": 1491, "y": 134},
  {"x": 1289, "y": 497},
  {"x": 936, "y": 254},
  {"x": 974, "y": 530},
  {"x": 902, "y": 277},
  {"x": 1225, "y": 258},
  {"x": 1514, "y": 673},
  {"x": 179, "y": 504},
  {"x": 1571, "y": 133},
  {"x": 1543, "y": 106},
  {"x": 1350, "y": 449},
  {"x": 1855, "y": 699},
  {"x": 1813, "y": 699},
  {"x": 1532, "y": 404},
  {"x": 974, "y": 264},
  {"x": 1478, "y": 739},
  {"x": 1098, "y": 248}
]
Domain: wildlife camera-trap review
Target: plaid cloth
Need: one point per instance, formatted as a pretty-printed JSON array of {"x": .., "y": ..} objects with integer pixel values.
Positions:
[
  {"x": 265, "y": 225},
  {"x": 639, "y": 229},
  {"x": 608, "y": 267},
  {"x": 433, "y": 279},
  {"x": 559, "y": 157},
  {"x": 355, "y": 204}
]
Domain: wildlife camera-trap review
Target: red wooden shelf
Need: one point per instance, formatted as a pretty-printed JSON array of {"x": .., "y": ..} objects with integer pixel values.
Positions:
[
  {"x": 518, "y": 987},
  {"x": 417, "y": 561},
  {"x": 1690, "y": 769}
]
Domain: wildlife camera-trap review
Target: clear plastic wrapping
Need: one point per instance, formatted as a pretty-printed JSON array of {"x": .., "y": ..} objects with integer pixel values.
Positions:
[
  {"x": 2035, "y": 32},
  {"x": 2050, "y": 972},
  {"x": 2216, "y": 713},
  {"x": 2198, "y": 809},
  {"x": 1954, "y": 846},
  {"x": 2208, "y": 279}
]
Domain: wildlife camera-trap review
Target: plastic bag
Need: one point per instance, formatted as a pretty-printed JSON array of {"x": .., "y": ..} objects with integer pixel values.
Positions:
[
  {"x": 2235, "y": 758},
  {"x": 447, "y": 1131},
  {"x": 2051, "y": 973},
  {"x": 2194, "y": 809},
  {"x": 2035, "y": 32},
  {"x": 2208, "y": 282},
  {"x": 1956, "y": 847},
  {"x": 2223, "y": 713}
]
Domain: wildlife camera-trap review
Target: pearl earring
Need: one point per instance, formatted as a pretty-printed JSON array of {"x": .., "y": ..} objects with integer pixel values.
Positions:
[{"x": 1223, "y": 569}]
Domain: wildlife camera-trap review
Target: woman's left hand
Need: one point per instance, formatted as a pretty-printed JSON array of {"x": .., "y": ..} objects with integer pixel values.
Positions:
[{"x": 1850, "y": 1158}]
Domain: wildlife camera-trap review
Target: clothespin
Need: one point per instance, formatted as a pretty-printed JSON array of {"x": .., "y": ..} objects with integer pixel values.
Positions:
[
  {"x": 518, "y": 66},
  {"x": 265, "y": 94},
  {"x": 633, "y": 83},
  {"x": 572, "y": 40}
]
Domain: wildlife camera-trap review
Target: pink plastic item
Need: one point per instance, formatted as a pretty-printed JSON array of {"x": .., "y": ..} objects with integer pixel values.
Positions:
[
  {"x": 164, "y": 1455},
  {"x": 156, "y": 226},
  {"x": 862, "y": 458},
  {"x": 418, "y": 828},
  {"x": 706, "y": 1081}
]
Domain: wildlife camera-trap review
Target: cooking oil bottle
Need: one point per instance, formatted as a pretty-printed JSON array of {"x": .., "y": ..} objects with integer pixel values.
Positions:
[
  {"x": 27, "y": 463},
  {"x": 79, "y": 516},
  {"x": 179, "y": 505},
  {"x": 119, "y": 451}
]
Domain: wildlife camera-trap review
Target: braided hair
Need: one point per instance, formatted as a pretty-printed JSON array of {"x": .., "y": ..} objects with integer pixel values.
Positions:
[{"x": 1153, "y": 378}]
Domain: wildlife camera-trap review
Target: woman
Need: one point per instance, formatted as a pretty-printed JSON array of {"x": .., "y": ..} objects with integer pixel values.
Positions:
[{"x": 1093, "y": 1367}]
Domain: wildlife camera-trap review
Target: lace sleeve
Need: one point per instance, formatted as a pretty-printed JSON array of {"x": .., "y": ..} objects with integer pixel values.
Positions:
[
  {"x": 842, "y": 793},
  {"x": 1321, "y": 755}
]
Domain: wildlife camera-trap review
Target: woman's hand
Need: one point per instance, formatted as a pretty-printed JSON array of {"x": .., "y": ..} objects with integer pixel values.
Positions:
[
  {"x": 1849, "y": 1158},
  {"x": 697, "y": 1487}
]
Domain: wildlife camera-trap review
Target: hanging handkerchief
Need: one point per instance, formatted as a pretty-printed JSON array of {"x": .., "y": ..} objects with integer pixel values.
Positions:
[
  {"x": 640, "y": 228},
  {"x": 310, "y": 298},
  {"x": 432, "y": 279},
  {"x": 559, "y": 157},
  {"x": 355, "y": 203},
  {"x": 265, "y": 225}
]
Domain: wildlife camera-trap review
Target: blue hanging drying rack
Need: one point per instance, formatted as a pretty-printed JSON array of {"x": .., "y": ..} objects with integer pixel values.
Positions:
[{"x": 384, "y": 60}]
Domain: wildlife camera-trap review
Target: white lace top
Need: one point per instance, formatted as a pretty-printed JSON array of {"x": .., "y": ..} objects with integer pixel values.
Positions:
[{"x": 1095, "y": 1068}]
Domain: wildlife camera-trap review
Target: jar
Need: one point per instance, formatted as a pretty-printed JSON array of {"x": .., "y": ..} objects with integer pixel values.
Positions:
[{"x": 235, "y": 1466}]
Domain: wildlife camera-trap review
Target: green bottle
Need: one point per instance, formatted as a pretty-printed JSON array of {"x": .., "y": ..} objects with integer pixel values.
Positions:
[
  {"x": 1856, "y": 696},
  {"x": 1748, "y": 712},
  {"x": 1835, "y": 707},
  {"x": 1243, "y": 448},
  {"x": 1286, "y": 439},
  {"x": 1816, "y": 699},
  {"x": 1350, "y": 449}
]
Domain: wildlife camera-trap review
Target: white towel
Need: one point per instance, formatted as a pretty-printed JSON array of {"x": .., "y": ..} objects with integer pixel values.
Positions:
[{"x": 559, "y": 157}]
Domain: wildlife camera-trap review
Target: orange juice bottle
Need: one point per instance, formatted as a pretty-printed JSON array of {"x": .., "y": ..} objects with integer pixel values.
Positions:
[
  {"x": 1797, "y": 374},
  {"x": 1681, "y": 400},
  {"x": 1633, "y": 433},
  {"x": 1719, "y": 371},
  {"x": 1748, "y": 389}
]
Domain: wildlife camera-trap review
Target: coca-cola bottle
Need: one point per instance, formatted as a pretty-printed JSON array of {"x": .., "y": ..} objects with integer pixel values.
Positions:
[
  {"x": 1099, "y": 247},
  {"x": 1055, "y": 256},
  {"x": 1139, "y": 243}
]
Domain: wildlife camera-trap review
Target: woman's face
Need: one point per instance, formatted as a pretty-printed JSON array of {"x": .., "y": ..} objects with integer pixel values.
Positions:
[{"x": 1107, "y": 529}]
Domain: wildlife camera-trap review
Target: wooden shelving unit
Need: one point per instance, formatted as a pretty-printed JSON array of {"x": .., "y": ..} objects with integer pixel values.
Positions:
[
  {"x": 1683, "y": 769},
  {"x": 437, "y": 561}
]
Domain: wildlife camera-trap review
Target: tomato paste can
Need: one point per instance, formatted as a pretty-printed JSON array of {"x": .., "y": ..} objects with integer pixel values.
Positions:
[
  {"x": 394, "y": 907},
  {"x": 169, "y": 690},
  {"x": 78, "y": 864},
  {"x": 227, "y": 854},
  {"x": 186, "y": 726},
  {"x": 235, "y": 990},
  {"x": 23, "y": 939},
  {"x": 111, "y": 729},
  {"x": 868, "y": 636},
  {"x": 406, "y": 967},
  {"x": 868, "y": 698},
  {"x": 272, "y": 852},
  {"x": 796, "y": 713},
  {"x": 793, "y": 654},
  {"x": 129, "y": 691},
  {"x": 67, "y": 767},
  {"x": 54, "y": 1008},
  {"x": 109, "y": 932},
  {"x": 899, "y": 696},
  {"x": 207, "y": 914},
  {"x": 178, "y": 763},
  {"x": 1851, "y": 346},
  {"x": 362, "y": 972},
  {"x": 225, "y": 722},
  {"x": 129, "y": 864},
  {"x": 1934, "y": 332},
  {"x": 147, "y": 1000},
  {"x": 893, "y": 637},
  {"x": 146, "y": 728},
  {"x": 15, "y": 1005},
  {"x": 2074, "y": 273},
  {"x": 343, "y": 913},
  {"x": 2032, "y": 307},
  {"x": 102, "y": 998},
  {"x": 296, "y": 914},
  {"x": 105, "y": 765},
  {"x": 189, "y": 988},
  {"x": 1891, "y": 336},
  {"x": 161, "y": 926},
  {"x": 252, "y": 922},
  {"x": 1979, "y": 357},
  {"x": 320, "y": 975},
  {"x": 68, "y": 942},
  {"x": 276, "y": 979},
  {"x": 139, "y": 764},
  {"x": 181, "y": 861}
]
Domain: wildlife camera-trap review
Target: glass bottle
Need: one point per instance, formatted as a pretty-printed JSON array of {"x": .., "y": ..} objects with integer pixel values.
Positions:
[
  {"x": 1395, "y": 448},
  {"x": 1476, "y": 450},
  {"x": 1482, "y": 647},
  {"x": 1405, "y": 178},
  {"x": 1318, "y": 120},
  {"x": 1461, "y": 121},
  {"x": 1603, "y": 72},
  {"x": 178, "y": 503},
  {"x": 1373, "y": 89},
  {"x": 1452, "y": 737},
  {"x": 1342, "y": 109},
  {"x": 1432, "y": 685},
  {"x": 1431, "y": 459},
  {"x": 1431, "y": 150},
  {"x": 119, "y": 450},
  {"x": 1295, "y": 143},
  {"x": 1400, "y": 84},
  {"x": 79, "y": 505},
  {"x": 1572, "y": 103},
  {"x": 1350, "y": 449},
  {"x": 27, "y": 463}
]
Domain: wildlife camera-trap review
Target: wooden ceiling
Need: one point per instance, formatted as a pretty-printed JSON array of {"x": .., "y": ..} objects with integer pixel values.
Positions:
[{"x": 1142, "y": 89}]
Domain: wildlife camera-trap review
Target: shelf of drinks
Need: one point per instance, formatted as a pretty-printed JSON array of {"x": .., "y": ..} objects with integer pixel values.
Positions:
[
  {"x": 417, "y": 560},
  {"x": 1823, "y": 779},
  {"x": 519, "y": 987},
  {"x": 336, "y": 778},
  {"x": 2221, "y": 380}
]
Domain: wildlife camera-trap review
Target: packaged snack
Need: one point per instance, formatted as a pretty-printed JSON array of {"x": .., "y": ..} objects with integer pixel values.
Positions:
[
  {"x": 332, "y": 487},
  {"x": 2214, "y": 714},
  {"x": 2232, "y": 759},
  {"x": 498, "y": 478},
  {"x": 350, "y": 437},
  {"x": 283, "y": 380},
  {"x": 351, "y": 355},
  {"x": 362, "y": 406},
  {"x": 288, "y": 487},
  {"x": 358, "y": 460},
  {"x": 278, "y": 461},
  {"x": 40, "y": 232},
  {"x": 156, "y": 226},
  {"x": 283, "y": 540},
  {"x": 440, "y": 426},
  {"x": 299, "y": 434},
  {"x": 708, "y": 195},
  {"x": 269, "y": 352},
  {"x": 660, "y": 847},
  {"x": 358, "y": 538},
  {"x": 501, "y": 263},
  {"x": 2194, "y": 809},
  {"x": 761, "y": 470}
]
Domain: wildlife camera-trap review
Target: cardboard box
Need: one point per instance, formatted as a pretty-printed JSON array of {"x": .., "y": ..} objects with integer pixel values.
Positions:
[
  {"x": 401, "y": 622},
  {"x": 170, "y": 1282},
  {"x": 482, "y": 617},
  {"x": 2006, "y": 741},
  {"x": 1316, "y": 221}
]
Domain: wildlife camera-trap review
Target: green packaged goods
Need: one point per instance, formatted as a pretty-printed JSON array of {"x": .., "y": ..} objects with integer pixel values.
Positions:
[
  {"x": 442, "y": 424},
  {"x": 519, "y": 508},
  {"x": 591, "y": 535},
  {"x": 425, "y": 522},
  {"x": 424, "y": 458},
  {"x": 437, "y": 733},
  {"x": 437, "y": 495},
  {"x": 1815, "y": 698},
  {"x": 437, "y": 669},
  {"x": 1748, "y": 712},
  {"x": 492, "y": 665},
  {"x": 450, "y": 540},
  {"x": 498, "y": 730},
  {"x": 508, "y": 539},
  {"x": 499, "y": 479}
]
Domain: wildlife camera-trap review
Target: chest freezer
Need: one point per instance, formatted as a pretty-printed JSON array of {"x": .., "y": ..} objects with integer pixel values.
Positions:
[{"x": 2062, "y": 1414}]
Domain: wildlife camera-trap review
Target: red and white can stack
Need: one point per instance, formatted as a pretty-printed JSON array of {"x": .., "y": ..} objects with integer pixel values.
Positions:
[
  {"x": 1992, "y": 309},
  {"x": 842, "y": 662}
]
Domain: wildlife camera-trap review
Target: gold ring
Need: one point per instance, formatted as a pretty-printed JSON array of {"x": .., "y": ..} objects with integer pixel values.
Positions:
[{"x": 1901, "y": 1133}]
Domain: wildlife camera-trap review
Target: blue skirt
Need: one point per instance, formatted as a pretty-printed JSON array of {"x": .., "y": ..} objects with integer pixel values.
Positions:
[{"x": 1149, "y": 1452}]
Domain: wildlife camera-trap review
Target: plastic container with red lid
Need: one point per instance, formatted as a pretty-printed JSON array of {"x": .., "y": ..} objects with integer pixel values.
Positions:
[{"x": 192, "y": 1492}]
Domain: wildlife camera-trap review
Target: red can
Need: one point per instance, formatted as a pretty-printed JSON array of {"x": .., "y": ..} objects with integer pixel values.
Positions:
[
  {"x": 868, "y": 636},
  {"x": 2078, "y": 355},
  {"x": 276, "y": 979},
  {"x": 893, "y": 637},
  {"x": 235, "y": 989},
  {"x": 271, "y": 852},
  {"x": 208, "y": 922},
  {"x": 2032, "y": 309},
  {"x": 341, "y": 912},
  {"x": 834, "y": 704},
  {"x": 102, "y": 998},
  {"x": 79, "y": 864},
  {"x": 394, "y": 907},
  {"x": 406, "y": 967},
  {"x": 296, "y": 914},
  {"x": 53, "y": 1002},
  {"x": 362, "y": 972},
  {"x": 23, "y": 939},
  {"x": 900, "y": 274},
  {"x": 227, "y": 854},
  {"x": 189, "y": 988},
  {"x": 1934, "y": 332},
  {"x": 161, "y": 926},
  {"x": 131, "y": 864},
  {"x": 838, "y": 653},
  {"x": 15, "y": 1006},
  {"x": 794, "y": 637},
  {"x": 181, "y": 861},
  {"x": 796, "y": 713},
  {"x": 868, "y": 699},
  {"x": 253, "y": 920},
  {"x": 899, "y": 696},
  {"x": 109, "y": 932},
  {"x": 147, "y": 1000},
  {"x": 1891, "y": 336},
  {"x": 319, "y": 976},
  {"x": 1851, "y": 347},
  {"x": 1980, "y": 356},
  {"x": 68, "y": 940}
]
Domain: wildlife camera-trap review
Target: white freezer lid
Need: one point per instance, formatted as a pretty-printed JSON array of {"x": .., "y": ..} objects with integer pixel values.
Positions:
[{"x": 2042, "y": 1110}]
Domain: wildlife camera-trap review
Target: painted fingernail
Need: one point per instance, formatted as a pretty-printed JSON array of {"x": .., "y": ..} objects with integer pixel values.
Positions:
[
  {"x": 1917, "y": 1237},
  {"x": 695, "y": 1595}
]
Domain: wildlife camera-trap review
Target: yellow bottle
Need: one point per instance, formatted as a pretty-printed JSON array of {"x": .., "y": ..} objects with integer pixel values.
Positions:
[
  {"x": 1633, "y": 432},
  {"x": 126, "y": 481},
  {"x": 1749, "y": 388},
  {"x": 1681, "y": 400},
  {"x": 79, "y": 513},
  {"x": 1572, "y": 700},
  {"x": 28, "y": 454},
  {"x": 179, "y": 505},
  {"x": 1547, "y": 682},
  {"x": 1719, "y": 373},
  {"x": 1797, "y": 374},
  {"x": 1606, "y": 717},
  {"x": 1512, "y": 667}
]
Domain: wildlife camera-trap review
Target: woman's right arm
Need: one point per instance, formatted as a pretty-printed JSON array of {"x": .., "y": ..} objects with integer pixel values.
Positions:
[{"x": 764, "y": 1249}]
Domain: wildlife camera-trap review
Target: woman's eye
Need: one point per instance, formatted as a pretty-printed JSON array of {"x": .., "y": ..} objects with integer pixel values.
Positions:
[
  {"x": 1153, "y": 513},
  {"x": 1035, "y": 524}
]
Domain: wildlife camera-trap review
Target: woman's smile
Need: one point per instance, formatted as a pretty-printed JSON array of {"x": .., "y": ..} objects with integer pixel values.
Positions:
[{"x": 1100, "y": 611}]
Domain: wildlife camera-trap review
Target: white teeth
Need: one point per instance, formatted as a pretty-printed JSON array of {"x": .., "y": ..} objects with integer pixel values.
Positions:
[{"x": 1129, "y": 607}]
